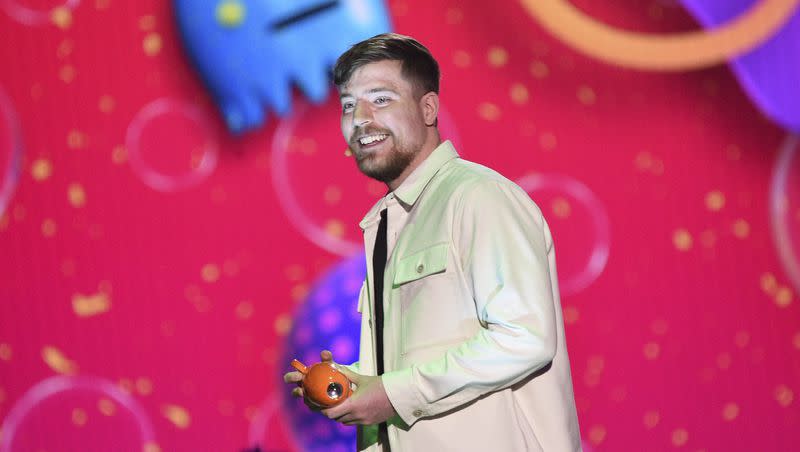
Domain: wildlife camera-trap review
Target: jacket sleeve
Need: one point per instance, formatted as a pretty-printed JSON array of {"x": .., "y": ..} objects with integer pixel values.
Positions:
[{"x": 502, "y": 243}]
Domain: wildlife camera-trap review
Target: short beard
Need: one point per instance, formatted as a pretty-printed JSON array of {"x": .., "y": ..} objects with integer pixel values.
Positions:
[{"x": 396, "y": 162}]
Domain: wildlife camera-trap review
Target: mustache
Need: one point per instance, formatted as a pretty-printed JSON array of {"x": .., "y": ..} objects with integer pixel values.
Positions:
[{"x": 359, "y": 132}]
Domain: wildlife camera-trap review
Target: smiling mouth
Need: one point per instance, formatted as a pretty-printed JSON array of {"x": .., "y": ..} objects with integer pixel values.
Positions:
[{"x": 372, "y": 140}]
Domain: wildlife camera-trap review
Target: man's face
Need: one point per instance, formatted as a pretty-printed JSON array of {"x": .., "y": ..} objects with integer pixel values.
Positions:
[{"x": 382, "y": 120}]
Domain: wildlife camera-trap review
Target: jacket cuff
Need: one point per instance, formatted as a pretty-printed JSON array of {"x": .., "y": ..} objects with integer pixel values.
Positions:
[{"x": 399, "y": 387}]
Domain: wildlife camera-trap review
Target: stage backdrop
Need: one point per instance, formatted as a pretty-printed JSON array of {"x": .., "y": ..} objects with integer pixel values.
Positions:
[{"x": 179, "y": 218}]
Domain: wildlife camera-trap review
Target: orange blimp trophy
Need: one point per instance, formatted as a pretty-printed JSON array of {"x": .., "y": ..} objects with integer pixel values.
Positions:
[{"x": 322, "y": 384}]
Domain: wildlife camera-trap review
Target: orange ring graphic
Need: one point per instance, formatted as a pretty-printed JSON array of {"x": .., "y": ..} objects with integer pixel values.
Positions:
[{"x": 662, "y": 52}]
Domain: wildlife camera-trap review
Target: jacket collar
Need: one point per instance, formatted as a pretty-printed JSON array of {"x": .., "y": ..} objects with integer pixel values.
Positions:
[{"x": 408, "y": 192}]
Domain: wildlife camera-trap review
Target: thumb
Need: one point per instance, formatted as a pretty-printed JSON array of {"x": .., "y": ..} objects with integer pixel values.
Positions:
[{"x": 352, "y": 376}]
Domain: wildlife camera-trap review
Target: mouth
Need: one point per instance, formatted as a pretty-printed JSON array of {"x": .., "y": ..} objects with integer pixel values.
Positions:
[{"x": 371, "y": 140}]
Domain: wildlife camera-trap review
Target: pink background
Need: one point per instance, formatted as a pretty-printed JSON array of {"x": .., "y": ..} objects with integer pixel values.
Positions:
[{"x": 163, "y": 313}]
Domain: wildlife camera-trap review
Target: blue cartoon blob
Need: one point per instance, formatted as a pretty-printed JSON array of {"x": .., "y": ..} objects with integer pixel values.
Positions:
[{"x": 250, "y": 52}]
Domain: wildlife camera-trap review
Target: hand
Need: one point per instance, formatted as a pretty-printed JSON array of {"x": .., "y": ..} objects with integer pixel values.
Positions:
[
  {"x": 367, "y": 405},
  {"x": 297, "y": 378}
]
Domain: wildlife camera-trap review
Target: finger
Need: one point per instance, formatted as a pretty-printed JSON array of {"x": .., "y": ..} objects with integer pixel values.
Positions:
[
  {"x": 326, "y": 356},
  {"x": 352, "y": 376},
  {"x": 293, "y": 377},
  {"x": 297, "y": 392},
  {"x": 337, "y": 411}
]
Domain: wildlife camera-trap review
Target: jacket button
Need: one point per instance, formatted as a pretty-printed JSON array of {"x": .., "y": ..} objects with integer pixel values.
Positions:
[
  {"x": 417, "y": 413},
  {"x": 420, "y": 268}
]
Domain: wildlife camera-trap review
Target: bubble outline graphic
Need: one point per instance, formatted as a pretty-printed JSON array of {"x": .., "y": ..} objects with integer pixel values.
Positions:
[
  {"x": 598, "y": 257},
  {"x": 779, "y": 212},
  {"x": 52, "y": 386},
  {"x": 158, "y": 180},
  {"x": 661, "y": 52},
  {"x": 30, "y": 16},
  {"x": 11, "y": 177},
  {"x": 288, "y": 201}
]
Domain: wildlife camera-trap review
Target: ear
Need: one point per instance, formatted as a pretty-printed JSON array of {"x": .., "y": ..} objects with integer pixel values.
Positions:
[{"x": 429, "y": 103}]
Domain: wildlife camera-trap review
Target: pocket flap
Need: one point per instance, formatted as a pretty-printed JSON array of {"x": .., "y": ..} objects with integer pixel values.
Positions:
[{"x": 421, "y": 263}]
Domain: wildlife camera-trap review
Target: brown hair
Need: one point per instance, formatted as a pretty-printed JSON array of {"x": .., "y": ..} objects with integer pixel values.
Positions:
[{"x": 419, "y": 66}]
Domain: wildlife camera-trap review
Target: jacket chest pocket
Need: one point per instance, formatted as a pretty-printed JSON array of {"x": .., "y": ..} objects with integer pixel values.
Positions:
[{"x": 427, "y": 295}]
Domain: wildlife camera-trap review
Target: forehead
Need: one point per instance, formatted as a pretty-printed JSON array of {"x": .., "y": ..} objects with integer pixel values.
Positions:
[{"x": 383, "y": 74}]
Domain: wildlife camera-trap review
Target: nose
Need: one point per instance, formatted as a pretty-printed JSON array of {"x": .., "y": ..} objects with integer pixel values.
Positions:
[{"x": 362, "y": 115}]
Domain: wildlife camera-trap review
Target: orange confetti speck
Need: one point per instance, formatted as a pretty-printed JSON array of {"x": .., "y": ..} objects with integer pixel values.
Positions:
[
  {"x": 76, "y": 139},
  {"x": 332, "y": 195},
  {"x": 144, "y": 386},
  {"x": 519, "y": 94},
  {"x": 784, "y": 395},
  {"x": 244, "y": 310},
  {"x": 659, "y": 327},
  {"x": 651, "y": 419},
  {"x": 548, "y": 141},
  {"x": 177, "y": 415},
  {"x": 741, "y": 229},
  {"x": 783, "y": 297},
  {"x": 679, "y": 437},
  {"x": 210, "y": 273},
  {"x": 769, "y": 284},
  {"x": 283, "y": 323},
  {"x": 715, "y": 200},
  {"x": 119, "y": 154},
  {"x": 462, "y": 59},
  {"x": 539, "y": 69},
  {"x": 106, "y": 103},
  {"x": 79, "y": 417},
  {"x": 5, "y": 352},
  {"x": 497, "y": 56},
  {"x": 48, "y": 227},
  {"x": 76, "y": 195},
  {"x": 61, "y": 17},
  {"x": 651, "y": 350},
  {"x": 561, "y": 208},
  {"x": 643, "y": 161},
  {"x": 597, "y": 434},
  {"x": 489, "y": 111},
  {"x": 57, "y": 361},
  {"x": 106, "y": 407},
  {"x": 91, "y": 305},
  {"x": 151, "y": 447},
  {"x": 682, "y": 239},
  {"x": 41, "y": 169},
  {"x": 67, "y": 73},
  {"x": 730, "y": 411},
  {"x": 334, "y": 228},
  {"x": 571, "y": 315},
  {"x": 586, "y": 95},
  {"x": 152, "y": 44}
]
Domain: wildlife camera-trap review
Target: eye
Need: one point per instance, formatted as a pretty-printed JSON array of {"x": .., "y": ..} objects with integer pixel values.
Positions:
[
  {"x": 383, "y": 100},
  {"x": 347, "y": 107}
]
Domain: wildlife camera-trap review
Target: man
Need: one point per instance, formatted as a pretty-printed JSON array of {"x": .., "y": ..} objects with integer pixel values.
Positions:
[{"x": 462, "y": 338}]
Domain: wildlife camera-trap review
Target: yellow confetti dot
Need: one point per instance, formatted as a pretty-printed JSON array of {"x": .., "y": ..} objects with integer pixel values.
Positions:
[
  {"x": 41, "y": 169},
  {"x": 597, "y": 434},
  {"x": 724, "y": 361},
  {"x": 151, "y": 447},
  {"x": 651, "y": 419},
  {"x": 730, "y": 411},
  {"x": 61, "y": 17},
  {"x": 561, "y": 208},
  {"x": 90, "y": 305},
  {"x": 5, "y": 352},
  {"x": 454, "y": 16},
  {"x": 147, "y": 22},
  {"x": 119, "y": 154},
  {"x": 79, "y": 417},
  {"x": 210, "y": 273},
  {"x": 643, "y": 161},
  {"x": 76, "y": 195},
  {"x": 76, "y": 139},
  {"x": 106, "y": 103},
  {"x": 462, "y": 59},
  {"x": 651, "y": 350},
  {"x": 283, "y": 323},
  {"x": 334, "y": 228},
  {"x": 682, "y": 240},
  {"x": 144, "y": 386},
  {"x": 230, "y": 13},
  {"x": 332, "y": 195},
  {"x": 783, "y": 297},
  {"x": 489, "y": 111},
  {"x": 795, "y": 341},
  {"x": 152, "y": 44},
  {"x": 679, "y": 437},
  {"x": 57, "y": 361},
  {"x": 741, "y": 339},
  {"x": 741, "y": 229},
  {"x": 539, "y": 69},
  {"x": 177, "y": 415},
  {"x": 519, "y": 94},
  {"x": 48, "y": 227},
  {"x": 67, "y": 73},
  {"x": 715, "y": 200},
  {"x": 244, "y": 310},
  {"x": 586, "y": 95},
  {"x": 571, "y": 315},
  {"x": 769, "y": 284},
  {"x": 783, "y": 395},
  {"x": 497, "y": 56},
  {"x": 106, "y": 407}
]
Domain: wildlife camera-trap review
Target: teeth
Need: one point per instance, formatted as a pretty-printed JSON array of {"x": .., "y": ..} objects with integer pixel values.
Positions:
[{"x": 372, "y": 138}]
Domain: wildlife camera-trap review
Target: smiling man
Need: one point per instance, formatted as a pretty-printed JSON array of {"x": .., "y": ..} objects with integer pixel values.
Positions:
[{"x": 462, "y": 337}]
